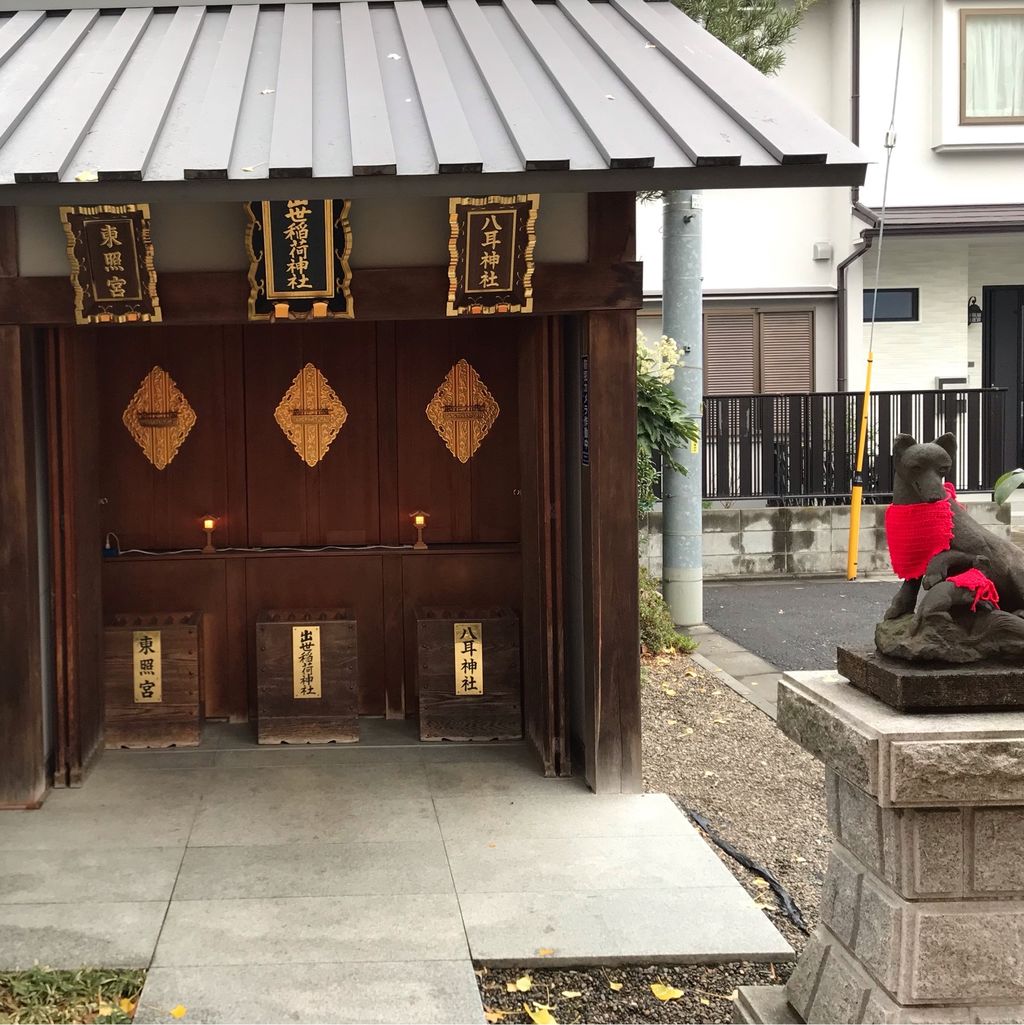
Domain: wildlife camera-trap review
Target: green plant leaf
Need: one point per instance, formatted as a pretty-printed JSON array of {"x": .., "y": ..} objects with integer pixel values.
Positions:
[{"x": 1007, "y": 484}]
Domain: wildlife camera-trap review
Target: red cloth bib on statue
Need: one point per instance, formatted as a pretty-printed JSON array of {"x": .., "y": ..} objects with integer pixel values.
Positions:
[
  {"x": 918, "y": 532},
  {"x": 976, "y": 581}
]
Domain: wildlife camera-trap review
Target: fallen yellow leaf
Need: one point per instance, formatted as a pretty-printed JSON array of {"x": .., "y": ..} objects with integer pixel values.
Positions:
[
  {"x": 663, "y": 992},
  {"x": 105, "y": 1010},
  {"x": 493, "y": 1017},
  {"x": 761, "y": 884},
  {"x": 615, "y": 986},
  {"x": 705, "y": 1001},
  {"x": 126, "y": 1005},
  {"x": 510, "y": 987},
  {"x": 540, "y": 1015},
  {"x": 179, "y": 1011},
  {"x": 544, "y": 951},
  {"x": 523, "y": 983},
  {"x": 671, "y": 693},
  {"x": 571, "y": 994}
]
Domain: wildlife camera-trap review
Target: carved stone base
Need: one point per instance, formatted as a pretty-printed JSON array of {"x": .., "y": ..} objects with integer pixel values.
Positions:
[
  {"x": 922, "y": 915},
  {"x": 984, "y": 686},
  {"x": 959, "y": 637}
]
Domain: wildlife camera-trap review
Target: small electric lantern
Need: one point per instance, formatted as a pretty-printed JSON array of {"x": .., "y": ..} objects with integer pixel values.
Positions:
[
  {"x": 974, "y": 314},
  {"x": 319, "y": 310},
  {"x": 281, "y": 311},
  {"x": 419, "y": 521},
  {"x": 209, "y": 522}
]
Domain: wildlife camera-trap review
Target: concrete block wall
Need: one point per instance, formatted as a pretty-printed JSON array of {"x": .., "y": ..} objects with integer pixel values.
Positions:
[{"x": 793, "y": 541}]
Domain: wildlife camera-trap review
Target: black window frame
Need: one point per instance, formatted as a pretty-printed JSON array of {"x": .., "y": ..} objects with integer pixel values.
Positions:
[{"x": 915, "y": 306}]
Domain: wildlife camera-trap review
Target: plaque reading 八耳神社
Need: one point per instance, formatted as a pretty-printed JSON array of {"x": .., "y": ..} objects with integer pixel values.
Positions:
[
  {"x": 490, "y": 247},
  {"x": 469, "y": 659},
  {"x": 299, "y": 259},
  {"x": 147, "y": 666},
  {"x": 110, "y": 249}
]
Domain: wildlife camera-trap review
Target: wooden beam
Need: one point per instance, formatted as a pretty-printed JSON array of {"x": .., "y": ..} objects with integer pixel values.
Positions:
[
  {"x": 611, "y": 227},
  {"x": 22, "y": 750},
  {"x": 610, "y": 558},
  {"x": 410, "y": 293}
]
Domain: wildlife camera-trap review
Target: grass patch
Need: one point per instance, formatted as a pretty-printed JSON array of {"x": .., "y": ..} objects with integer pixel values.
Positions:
[
  {"x": 88, "y": 995},
  {"x": 657, "y": 631}
]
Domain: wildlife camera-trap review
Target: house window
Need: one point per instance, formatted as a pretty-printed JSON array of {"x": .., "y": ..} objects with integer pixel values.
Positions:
[
  {"x": 894, "y": 304},
  {"x": 753, "y": 352},
  {"x": 992, "y": 66}
]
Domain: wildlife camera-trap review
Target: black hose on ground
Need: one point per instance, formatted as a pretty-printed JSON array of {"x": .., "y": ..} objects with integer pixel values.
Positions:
[{"x": 788, "y": 905}]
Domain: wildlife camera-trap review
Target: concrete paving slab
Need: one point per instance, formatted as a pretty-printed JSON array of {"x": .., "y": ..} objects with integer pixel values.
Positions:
[
  {"x": 71, "y": 876},
  {"x": 703, "y": 924},
  {"x": 342, "y": 756},
  {"x": 565, "y": 813},
  {"x": 714, "y": 643},
  {"x": 286, "y": 818},
  {"x": 162, "y": 758},
  {"x": 449, "y": 779},
  {"x": 330, "y": 780},
  {"x": 505, "y": 752},
  {"x": 97, "y": 827},
  {"x": 584, "y": 864},
  {"x": 417, "y": 993},
  {"x": 742, "y": 664},
  {"x": 102, "y": 934},
  {"x": 313, "y": 870},
  {"x": 120, "y": 784},
  {"x": 312, "y": 930}
]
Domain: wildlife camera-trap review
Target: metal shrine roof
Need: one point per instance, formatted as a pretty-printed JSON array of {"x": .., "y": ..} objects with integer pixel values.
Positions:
[{"x": 565, "y": 95}]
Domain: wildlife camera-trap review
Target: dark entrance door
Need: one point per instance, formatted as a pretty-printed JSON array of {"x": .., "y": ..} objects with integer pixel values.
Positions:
[{"x": 1003, "y": 355}]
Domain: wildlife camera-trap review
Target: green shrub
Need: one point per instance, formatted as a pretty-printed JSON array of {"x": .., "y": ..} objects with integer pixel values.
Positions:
[{"x": 657, "y": 631}]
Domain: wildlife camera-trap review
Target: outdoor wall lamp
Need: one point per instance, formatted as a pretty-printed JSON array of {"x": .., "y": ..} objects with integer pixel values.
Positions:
[
  {"x": 973, "y": 310},
  {"x": 209, "y": 522},
  {"x": 419, "y": 521}
]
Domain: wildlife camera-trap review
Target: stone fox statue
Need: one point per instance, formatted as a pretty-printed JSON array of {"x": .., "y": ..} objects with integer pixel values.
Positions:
[{"x": 927, "y": 538}]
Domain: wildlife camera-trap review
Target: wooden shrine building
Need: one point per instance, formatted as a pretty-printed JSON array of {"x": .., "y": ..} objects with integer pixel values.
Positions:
[{"x": 285, "y": 289}]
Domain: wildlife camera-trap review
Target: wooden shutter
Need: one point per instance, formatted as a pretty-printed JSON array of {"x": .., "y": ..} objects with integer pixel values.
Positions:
[
  {"x": 787, "y": 351},
  {"x": 730, "y": 360}
]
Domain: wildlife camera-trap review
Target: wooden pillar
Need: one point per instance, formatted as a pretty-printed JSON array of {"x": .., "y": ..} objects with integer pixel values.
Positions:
[
  {"x": 22, "y": 748},
  {"x": 610, "y": 561}
]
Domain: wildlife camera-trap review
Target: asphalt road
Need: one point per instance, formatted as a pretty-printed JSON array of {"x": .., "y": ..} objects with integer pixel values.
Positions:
[{"x": 797, "y": 624}]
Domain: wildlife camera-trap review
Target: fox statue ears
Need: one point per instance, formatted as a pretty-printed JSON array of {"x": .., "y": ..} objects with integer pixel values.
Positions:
[{"x": 947, "y": 442}]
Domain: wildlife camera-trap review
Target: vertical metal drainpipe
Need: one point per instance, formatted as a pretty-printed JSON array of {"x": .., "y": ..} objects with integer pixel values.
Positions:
[
  {"x": 842, "y": 315},
  {"x": 682, "y": 506}
]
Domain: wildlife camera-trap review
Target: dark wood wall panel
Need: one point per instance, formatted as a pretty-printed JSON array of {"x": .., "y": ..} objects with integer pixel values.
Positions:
[
  {"x": 335, "y": 502},
  {"x": 350, "y": 581},
  {"x": 474, "y": 501},
  {"x": 455, "y": 579},
  {"x": 210, "y": 586},
  {"x": 161, "y": 509}
]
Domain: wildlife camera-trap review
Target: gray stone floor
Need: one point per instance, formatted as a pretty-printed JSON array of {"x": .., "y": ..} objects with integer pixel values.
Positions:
[{"x": 355, "y": 883}]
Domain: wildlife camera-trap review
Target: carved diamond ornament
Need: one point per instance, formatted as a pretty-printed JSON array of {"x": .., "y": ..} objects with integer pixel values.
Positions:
[
  {"x": 311, "y": 414},
  {"x": 159, "y": 417},
  {"x": 462, "y": 411}
]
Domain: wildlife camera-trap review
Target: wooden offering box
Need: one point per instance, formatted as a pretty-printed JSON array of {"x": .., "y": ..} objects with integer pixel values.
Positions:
[
  {"x": 152, "y": 677},
  {"x": 307, "y": 677},
  {"x": 468, "y": 674}
]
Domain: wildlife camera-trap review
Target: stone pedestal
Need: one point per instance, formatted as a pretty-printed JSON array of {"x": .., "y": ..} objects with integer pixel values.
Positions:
[{"x": 922, "y": 916}]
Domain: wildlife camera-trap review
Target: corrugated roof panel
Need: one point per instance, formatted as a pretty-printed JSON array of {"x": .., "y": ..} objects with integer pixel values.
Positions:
[
  {"x": 332, "y": 140},
  {"x": 176, "y": 144},
  {"x": 515, "y": 88}
]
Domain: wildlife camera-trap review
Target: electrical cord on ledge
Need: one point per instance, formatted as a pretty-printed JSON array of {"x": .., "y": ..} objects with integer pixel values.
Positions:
[{"x": 325, "y": 548}]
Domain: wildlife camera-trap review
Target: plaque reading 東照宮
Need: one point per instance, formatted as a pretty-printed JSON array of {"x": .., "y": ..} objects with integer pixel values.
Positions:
[
  {"x": 469, "y": 659},
  {"x": 299, "y": 259},
  {"x": 490, "y": 249},
  {"x": 147, "y": 667},
  {"x": 110, "y": 249}
]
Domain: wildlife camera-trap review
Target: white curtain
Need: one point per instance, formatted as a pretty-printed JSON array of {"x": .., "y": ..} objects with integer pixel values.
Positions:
[{"x": 995, "y": 65}]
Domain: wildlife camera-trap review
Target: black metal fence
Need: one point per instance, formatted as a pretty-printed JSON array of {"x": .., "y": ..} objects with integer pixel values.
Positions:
[{"x": 800, "y": 449}]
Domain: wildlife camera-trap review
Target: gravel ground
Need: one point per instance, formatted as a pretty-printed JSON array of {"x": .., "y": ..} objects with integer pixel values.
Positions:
[{"x": 716, "y": 754}]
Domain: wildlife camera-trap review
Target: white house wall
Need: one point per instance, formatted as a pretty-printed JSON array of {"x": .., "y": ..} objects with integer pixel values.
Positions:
[{"x": 936, "y": 161}]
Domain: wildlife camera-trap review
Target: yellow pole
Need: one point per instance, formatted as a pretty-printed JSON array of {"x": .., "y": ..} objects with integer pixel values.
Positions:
[{"x": 858, "y": 480}]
